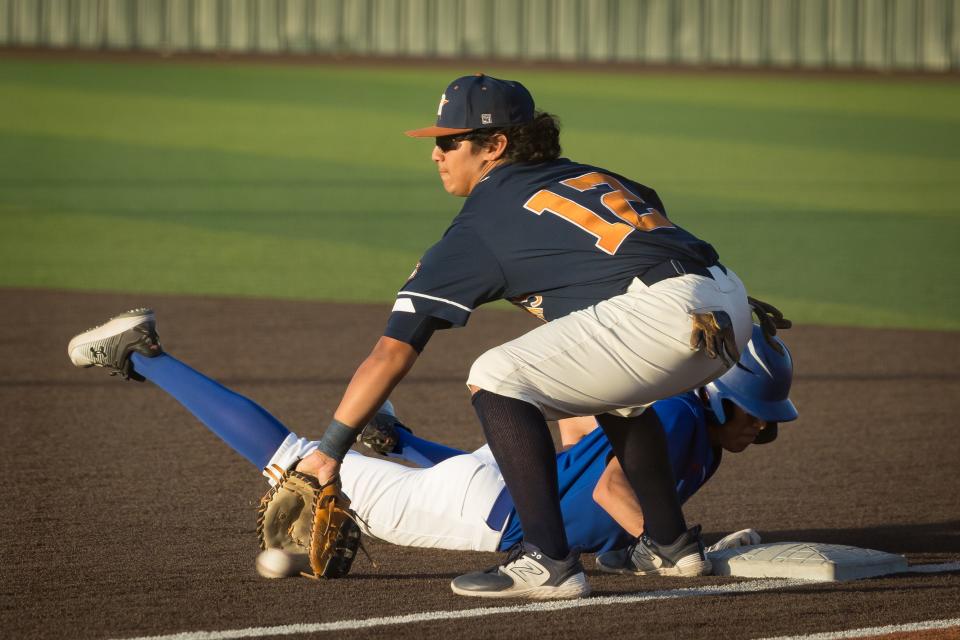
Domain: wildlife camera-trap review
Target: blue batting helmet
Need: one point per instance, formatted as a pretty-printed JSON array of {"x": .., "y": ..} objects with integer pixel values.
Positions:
[{"x": 759, "y": 384}]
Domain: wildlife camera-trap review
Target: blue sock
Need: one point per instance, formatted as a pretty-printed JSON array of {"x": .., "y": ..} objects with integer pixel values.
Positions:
[
  {"x": 240, "y": 422},
  {"x": 422, "y": 452}
]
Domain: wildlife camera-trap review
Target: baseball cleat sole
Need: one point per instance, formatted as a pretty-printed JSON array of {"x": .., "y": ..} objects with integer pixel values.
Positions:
[{"x": 574, "y": 587}]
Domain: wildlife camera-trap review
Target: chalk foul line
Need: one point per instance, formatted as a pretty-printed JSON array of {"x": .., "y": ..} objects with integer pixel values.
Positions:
[
  {"x": 912, "y": 627},
  {"x": 752, "y": 586},
  {"x": 434, "y": 616}
]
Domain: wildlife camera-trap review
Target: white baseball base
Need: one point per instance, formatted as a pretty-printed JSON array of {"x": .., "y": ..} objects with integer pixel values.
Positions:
[{"x": 805, "y": 560}]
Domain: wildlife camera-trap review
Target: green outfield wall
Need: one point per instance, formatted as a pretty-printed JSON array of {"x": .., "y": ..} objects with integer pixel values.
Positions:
[{"x": 845, "y": 34}]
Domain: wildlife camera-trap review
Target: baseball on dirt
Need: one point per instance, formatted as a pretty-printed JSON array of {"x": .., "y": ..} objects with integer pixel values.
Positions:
[{"x": 277, "y": 563}]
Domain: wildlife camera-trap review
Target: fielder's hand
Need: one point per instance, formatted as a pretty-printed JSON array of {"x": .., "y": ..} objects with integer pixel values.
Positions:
[{"x": 317, "y": 463}]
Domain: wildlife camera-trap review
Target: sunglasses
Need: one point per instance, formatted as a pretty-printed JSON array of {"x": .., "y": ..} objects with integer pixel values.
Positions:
[{"x": 449, "y": 143}]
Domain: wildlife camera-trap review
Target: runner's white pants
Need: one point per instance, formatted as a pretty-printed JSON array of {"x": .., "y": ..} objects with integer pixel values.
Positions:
[
  {"x": 442, "y": 507},
  {"x": 445, "y": 506},
  {"x": 618, "y": 356}
]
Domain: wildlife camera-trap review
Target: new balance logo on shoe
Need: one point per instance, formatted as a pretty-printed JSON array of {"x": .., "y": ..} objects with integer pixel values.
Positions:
[
  {"x": 527, "y": 573},
  {"x": 522, "y": 568}
]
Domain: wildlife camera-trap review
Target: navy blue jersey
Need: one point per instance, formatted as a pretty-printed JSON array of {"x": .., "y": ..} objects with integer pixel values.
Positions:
[
  {"x": 579, "y": 469},
  {"x": 552, "y": 237}
]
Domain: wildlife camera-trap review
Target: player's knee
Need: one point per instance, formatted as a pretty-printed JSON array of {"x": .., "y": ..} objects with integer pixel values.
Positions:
[{"x": 489, "y": 369}]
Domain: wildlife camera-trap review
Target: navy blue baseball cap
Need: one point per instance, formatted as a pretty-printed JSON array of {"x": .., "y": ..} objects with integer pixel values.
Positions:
[{"x": 479, "y": 102}]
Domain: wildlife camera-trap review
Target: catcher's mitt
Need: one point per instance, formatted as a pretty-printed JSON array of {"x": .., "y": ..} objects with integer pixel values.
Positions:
[
  {"x": 713, "y": 332},
  {"x": 300, "y": 516}
]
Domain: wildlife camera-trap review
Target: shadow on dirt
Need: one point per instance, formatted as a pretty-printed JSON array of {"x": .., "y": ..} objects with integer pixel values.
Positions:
[{"x": 937, "y": 537}]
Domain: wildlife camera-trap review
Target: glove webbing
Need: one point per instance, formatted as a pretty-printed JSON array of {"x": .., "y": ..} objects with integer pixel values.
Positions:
[{"x": 770, "y": 319}]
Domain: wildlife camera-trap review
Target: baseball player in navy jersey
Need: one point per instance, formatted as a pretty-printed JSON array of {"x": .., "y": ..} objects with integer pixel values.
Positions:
[
  {"x": 458, "y": 500},
  {"x": 637, "y": 309}
]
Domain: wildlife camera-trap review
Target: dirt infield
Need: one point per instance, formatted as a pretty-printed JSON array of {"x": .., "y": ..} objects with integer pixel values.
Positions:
[{"x": 127, "y": 518}]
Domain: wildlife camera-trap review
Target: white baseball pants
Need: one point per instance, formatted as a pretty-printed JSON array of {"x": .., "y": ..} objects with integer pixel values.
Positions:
[
  {"x": 441, "y": 507},
  {"x": 618, "y": 356},
  {"x": 445, "y": 506}
]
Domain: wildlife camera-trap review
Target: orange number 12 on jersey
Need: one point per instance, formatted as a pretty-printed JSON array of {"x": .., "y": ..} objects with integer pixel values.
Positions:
[{"x": 609, "y": 235}]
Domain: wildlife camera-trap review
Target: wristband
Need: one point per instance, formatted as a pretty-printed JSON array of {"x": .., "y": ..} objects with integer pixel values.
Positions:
[{"x": 337, "y": 440}]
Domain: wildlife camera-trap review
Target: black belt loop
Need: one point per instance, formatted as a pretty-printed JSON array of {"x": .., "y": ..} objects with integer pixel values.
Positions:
[{"x": 675, "y": 267}]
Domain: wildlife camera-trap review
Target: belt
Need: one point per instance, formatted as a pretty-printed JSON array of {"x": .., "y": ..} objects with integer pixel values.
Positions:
[{"x": 676, "y": 267}]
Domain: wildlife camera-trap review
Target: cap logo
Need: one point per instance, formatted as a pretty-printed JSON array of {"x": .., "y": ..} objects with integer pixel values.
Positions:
[
  {"x": 486, "y": 118},
  {"x": 443, "y": 101}
]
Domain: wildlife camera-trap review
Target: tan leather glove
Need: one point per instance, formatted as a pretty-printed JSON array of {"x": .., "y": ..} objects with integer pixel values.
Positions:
[{"x": 301, "y": 516}]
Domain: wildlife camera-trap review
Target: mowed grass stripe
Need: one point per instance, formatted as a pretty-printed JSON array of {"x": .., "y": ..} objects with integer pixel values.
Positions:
[
  {"x": 302, "y": 135},
  {"x": 151, "y": 257},
  {"x": 263, "y": 129},
  {"x": 317, "y": 130},
  {"x": 781, "y": 175},
  {"x": 915, "y": 99},
  {"x": 336, "y": 85}
]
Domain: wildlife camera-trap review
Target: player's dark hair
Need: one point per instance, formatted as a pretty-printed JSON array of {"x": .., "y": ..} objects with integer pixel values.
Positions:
[{"x": 534, "y": 142}]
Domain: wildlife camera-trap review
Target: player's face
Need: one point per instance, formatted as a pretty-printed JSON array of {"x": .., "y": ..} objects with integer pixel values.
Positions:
[
  {"x": 740, "y": 429},
  {"x": 462, "y": 167}
]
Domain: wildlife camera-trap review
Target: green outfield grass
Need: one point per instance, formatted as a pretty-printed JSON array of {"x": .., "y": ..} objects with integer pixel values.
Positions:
[{"x": 838, "y": 199}]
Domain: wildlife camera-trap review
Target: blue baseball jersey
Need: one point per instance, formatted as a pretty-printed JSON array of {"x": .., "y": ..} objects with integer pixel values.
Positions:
[
  {"x": 579, "y": 468},
  {"x": 553, "y": 238}
]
